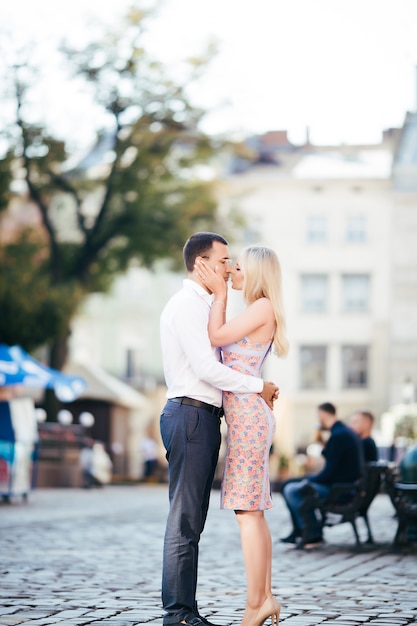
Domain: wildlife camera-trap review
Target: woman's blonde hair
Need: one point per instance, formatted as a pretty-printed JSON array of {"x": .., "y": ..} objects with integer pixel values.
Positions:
[{"x": 262, "y": 279}]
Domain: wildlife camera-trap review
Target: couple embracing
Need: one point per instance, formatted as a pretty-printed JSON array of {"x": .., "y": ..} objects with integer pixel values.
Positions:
[{"x": 212, "y": 367}]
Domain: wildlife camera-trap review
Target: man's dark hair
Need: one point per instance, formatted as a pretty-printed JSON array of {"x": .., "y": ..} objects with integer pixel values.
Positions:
[
  {"x": 197, "y": 245},
  {"x": 369, "y": 415},
  {"x": 327, "y": 407}
]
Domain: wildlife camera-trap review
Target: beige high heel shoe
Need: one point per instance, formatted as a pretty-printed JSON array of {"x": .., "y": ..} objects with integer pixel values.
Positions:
[{"x": 270, "y": 608}]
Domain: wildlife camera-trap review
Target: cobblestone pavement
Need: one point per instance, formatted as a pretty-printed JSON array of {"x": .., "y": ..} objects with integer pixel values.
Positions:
[{"x": 78, "y": 557}]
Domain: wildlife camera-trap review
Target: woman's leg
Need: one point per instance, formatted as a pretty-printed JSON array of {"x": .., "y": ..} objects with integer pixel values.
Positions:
[
  {"x": 257, "y": 555},
  {"x": 268, "y": 540}
]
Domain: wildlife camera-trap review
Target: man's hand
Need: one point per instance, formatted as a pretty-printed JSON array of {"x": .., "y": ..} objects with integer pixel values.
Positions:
[{"x": 269, "y": 393}]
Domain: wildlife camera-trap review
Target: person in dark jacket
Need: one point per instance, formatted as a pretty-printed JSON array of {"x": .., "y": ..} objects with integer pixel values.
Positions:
[
  {"x": 344, "y": 462},
  {"x": 362, "y": 422}
]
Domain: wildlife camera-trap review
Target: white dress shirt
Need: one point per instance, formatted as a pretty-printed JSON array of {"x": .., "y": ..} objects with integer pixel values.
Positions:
[{"x": 191, "y": 364}]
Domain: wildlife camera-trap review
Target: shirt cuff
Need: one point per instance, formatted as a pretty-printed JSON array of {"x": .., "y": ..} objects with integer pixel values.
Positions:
[{"x": 257, "y": 385}]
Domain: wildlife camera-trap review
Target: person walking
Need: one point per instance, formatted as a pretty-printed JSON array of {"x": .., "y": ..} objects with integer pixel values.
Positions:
[
  {"x": 245, "y": 341},
  {"x": 190, "y": 422},
  {"x": 343, "y": 455}
]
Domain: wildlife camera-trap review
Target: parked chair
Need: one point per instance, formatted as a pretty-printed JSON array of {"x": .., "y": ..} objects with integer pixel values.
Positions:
[{"x": 404, "y": 499}]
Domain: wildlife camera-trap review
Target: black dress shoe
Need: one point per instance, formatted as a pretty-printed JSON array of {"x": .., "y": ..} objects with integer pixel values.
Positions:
[
  {"x": 206, "y": 622},
  {"x": 192, "y": 620},
  {"x": 291, "y": 538},
  {"x": 187, "y": 620},
  {"x": 309, "y": 543}
]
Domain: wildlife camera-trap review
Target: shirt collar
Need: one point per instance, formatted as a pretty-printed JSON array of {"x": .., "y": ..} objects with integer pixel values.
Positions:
[{"x": 191, "y": 284}]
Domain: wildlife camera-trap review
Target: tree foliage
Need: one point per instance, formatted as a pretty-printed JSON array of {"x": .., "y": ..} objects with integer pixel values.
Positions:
[
  {"x": 135, "y": 195},
  {"x": 32, "y": 310}
]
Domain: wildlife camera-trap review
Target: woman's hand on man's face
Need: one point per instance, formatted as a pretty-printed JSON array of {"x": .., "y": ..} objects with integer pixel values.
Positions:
[{"x": 214, "y": 279}]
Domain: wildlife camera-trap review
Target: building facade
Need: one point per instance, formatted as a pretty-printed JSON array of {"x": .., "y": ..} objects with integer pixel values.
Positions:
[
  {"x": 328, "y": 217},
  {"x": 403, "y": 336},
  {"x": 343, "y": 232}
]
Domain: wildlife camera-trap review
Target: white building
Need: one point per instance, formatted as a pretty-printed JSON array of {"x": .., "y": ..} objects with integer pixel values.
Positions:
[
  {"x": 338, "y": 225},
  {"x": 403, "y": 336},
  {"x": 328, "y": 217}
]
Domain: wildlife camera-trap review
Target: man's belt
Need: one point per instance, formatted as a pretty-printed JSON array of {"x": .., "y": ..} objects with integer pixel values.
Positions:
[{"x": 214, "y": 410}]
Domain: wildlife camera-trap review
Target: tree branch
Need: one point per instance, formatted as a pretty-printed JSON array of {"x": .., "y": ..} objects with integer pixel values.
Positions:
[
  {"x": 94, "y": 241},
  {"x": 92, "y": 250},
  {"x": 34, "y": 192},
  {"x": 65, "y": 185},
  {"x": 109, "y": 188}
]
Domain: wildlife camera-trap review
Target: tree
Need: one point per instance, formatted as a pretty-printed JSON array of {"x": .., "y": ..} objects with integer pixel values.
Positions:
[
  {"x": 32, "y": 310},
  {"x": 136, "y": 195}
]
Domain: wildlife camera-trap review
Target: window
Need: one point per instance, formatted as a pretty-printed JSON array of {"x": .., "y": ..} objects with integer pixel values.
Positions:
[
  {"x": 316, "y": 229},
  {"x": 354, "y": 367},
  {"x": 356, "y": 229},
  {"x": 355, "y": 293},
  {"x": 313, "y": 367},
  {"x": 313, "y": 293}
]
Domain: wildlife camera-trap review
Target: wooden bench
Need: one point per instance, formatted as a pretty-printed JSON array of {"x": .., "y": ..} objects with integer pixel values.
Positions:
[
  {"x": 348, "y": 501},
  {"x": 357, "y": 505},
  {"x": 404, "y": 499}
]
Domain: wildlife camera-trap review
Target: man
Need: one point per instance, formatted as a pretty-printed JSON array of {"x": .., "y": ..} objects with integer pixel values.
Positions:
[
  {"x": 362, "y": 422},
  {"x": 343, "y": 464},
  {"x": 190, "y": 423}
]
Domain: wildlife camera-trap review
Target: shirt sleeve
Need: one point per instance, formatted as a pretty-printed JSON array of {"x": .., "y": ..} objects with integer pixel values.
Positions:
[
  {"x": 333, "y": 456},
  {"x": 191, "y": 325}
]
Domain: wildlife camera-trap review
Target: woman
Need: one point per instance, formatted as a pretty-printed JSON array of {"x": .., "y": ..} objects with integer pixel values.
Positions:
[{"x": 246, "y": 341}]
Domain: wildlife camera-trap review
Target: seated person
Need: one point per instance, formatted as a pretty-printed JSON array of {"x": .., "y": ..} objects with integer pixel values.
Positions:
[
  {"x": 343, "y": 464},
  {"x": 362, "y": 422}
]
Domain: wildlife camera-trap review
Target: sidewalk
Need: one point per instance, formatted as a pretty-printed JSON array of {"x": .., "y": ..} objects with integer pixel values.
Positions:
[{"x": 75, "y": 557}]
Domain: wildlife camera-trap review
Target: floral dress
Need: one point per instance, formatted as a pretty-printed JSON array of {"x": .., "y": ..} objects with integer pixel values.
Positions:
[{"x": 250, "y": 431}]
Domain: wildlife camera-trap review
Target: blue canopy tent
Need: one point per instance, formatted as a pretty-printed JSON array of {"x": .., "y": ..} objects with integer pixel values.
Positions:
[
  {"x": 18, "y": 426},
  {"x": 17, "y": 367}
]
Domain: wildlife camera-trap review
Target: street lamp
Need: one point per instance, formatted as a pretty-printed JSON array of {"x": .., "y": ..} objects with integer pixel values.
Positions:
[
  {"x": 86, "y": 419},
  {"x": 64, "y": 417},
  {"x": 40, "y": 415}
]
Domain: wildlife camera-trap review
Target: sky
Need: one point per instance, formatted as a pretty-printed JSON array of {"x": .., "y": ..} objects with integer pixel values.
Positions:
[{"x": 344, "y": 69}]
